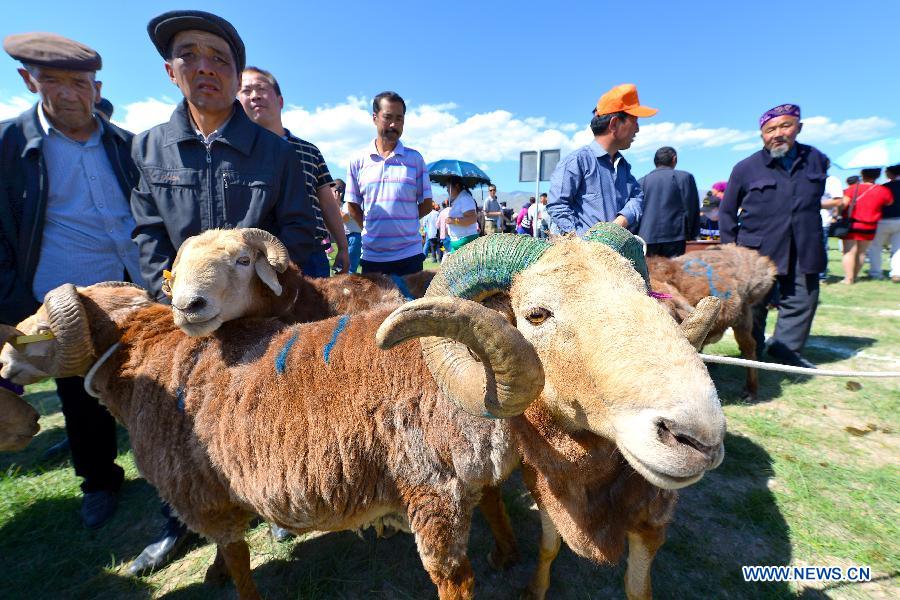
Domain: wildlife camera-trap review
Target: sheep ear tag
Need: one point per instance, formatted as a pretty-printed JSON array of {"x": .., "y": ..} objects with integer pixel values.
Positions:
[
  {"x": 30, "y": 339},
  {"x": 168, "y": 278},
  {"x": 267, "y": 274}
]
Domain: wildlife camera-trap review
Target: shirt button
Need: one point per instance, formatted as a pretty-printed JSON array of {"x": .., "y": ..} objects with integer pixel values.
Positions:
[{"x": 93, "y": 178}]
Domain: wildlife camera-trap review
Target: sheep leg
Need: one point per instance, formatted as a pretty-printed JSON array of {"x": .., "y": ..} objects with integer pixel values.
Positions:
[
  {"x": 217, "y": 573},
  {"x": 642, "y": 547},
  {"x": 505, "y": 550},
  {"x": 550, "y": 544},
  {"x": 743, "y": 334},
  {"x": 237, "y": 559},
  {"x": 441, "y": 527}
]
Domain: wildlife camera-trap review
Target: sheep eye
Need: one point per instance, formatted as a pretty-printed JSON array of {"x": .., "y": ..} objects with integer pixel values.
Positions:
[
  {"x": 243, "y": 260},
  {"x": 538, "y": 315}
]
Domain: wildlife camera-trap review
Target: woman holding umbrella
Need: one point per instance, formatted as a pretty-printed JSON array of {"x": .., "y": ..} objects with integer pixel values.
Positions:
[{"x": 461, "y": 227}]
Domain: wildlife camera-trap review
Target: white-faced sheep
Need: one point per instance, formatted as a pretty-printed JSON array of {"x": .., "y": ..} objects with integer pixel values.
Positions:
[
  {"x": 225, "y": 274},
  {"x": 591, "y": 387},
  {"x": 739, "y": 277}
]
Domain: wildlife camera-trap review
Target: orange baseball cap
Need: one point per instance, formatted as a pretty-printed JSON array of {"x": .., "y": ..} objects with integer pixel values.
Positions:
[{"x": 623, "y": 98}]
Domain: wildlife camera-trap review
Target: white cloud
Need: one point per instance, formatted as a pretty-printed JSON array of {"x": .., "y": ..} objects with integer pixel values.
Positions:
[
  {"x": 144, "y": 114},
  {"x": 342, "y": 129},
  {"x": 818, "y": 130},
  {"x": 15, "y": 106}
]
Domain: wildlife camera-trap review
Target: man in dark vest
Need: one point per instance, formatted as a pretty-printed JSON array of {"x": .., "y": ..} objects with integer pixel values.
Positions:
[
  {"x": 778, "y": 191},
  {"x": 671, "y": 206}
]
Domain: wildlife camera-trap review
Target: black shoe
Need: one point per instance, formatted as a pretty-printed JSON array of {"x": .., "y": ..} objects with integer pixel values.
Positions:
[
  {"x": 786, "y": 356},
  {"x": 56, "y": 450},
  {"x": 279, "y": 534},
  {"x": 98, "y": 507},
  {"x": 175, "y": 537}
]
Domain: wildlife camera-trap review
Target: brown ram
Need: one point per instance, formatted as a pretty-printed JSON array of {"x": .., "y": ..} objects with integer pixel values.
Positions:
[
  {"x": 739, "y": 277},
  {"x": 592, "y": 388}
]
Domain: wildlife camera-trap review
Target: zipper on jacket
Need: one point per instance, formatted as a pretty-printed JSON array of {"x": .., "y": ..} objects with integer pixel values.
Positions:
[
  {"x": 210, "y": 180},
  {"x": 225, "y": 200}
]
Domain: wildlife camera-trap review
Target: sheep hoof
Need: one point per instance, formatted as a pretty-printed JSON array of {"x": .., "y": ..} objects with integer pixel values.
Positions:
[{"x": 217, "y": 576}]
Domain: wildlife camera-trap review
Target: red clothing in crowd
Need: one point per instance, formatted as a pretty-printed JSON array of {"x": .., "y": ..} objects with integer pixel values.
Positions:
[{"x": 870, "y": 199}]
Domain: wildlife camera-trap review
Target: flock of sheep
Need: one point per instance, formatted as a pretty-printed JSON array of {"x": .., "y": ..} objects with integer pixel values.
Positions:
[{"x": 336, "y": 404}]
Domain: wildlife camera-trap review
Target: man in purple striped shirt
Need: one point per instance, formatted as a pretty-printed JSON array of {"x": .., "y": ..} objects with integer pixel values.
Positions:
[{"x": 388, "y": 191}]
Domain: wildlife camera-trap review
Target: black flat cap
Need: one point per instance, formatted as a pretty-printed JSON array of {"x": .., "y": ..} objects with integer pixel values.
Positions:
[
  {"x": 164, "y": 27},
  {"x": 52, "y": 50}
]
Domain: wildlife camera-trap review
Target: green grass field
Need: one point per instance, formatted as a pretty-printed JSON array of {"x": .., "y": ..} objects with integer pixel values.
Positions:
[{"x": 810, "y": 478}]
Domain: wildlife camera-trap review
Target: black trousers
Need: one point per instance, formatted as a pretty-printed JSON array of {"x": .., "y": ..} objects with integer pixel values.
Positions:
[
  {"x": 92, "y": 437},
  {"x": 667, "y": 249},
  {"x": 797, "y": 296}
]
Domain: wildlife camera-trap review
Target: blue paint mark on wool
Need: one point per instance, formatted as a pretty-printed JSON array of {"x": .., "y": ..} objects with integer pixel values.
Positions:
[
  {"x": 179, "y": 395},
  {"x": 401, "y": 285},
  {"x": 338, "y": 329},
  {"x": 281, "y": 359},
  {"x": 697, "y": 267}
]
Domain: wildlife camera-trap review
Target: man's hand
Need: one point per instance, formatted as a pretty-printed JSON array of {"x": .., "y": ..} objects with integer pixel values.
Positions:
[
  {"x": 621, "y": 221},
  {"x": 342, "y": 260}
]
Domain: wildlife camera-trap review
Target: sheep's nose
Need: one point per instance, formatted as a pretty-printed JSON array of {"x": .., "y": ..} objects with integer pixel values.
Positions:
[{"x": 193, "y": 305}]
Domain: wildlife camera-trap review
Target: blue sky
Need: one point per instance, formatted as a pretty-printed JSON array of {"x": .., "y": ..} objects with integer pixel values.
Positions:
[{"x": 485, "y": 80}]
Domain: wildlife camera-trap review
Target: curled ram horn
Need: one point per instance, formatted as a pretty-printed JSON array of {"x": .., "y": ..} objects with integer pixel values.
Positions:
[
  {"x": 698, "y": 324},
  {"x": 69, "y": 325},
  {"x": 479, "y": 271},
  {"x": 262, "y": 240},
  {"x": 505, "y": 378},
  {"x": 105, "y": 284}
]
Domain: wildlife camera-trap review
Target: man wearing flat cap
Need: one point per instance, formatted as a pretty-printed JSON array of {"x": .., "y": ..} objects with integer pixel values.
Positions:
[
  {"x": 778, "y": 191},
  {"x": 595, "y": 183},
  {"x": 209, "y": 167},
  {"x": 65, "y": 218}
]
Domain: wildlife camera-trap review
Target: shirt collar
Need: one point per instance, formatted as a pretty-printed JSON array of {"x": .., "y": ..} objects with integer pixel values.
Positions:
[
  {"x": 600, "y": 152},
  {"x": 47, "y": 127},
  {"x": 215, "y": 134},
  {"x": 399, "y": 149}
]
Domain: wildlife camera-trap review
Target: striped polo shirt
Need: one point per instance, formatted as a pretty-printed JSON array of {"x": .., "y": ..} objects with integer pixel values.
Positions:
[
  {"x": 316, "y": 175},
  {"x": 389, "y": 190}
]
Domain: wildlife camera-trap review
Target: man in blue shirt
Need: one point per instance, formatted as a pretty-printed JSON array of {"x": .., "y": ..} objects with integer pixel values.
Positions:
[
  {"x": 64, "y": 218},
  {"x": 595, "y": 183}
]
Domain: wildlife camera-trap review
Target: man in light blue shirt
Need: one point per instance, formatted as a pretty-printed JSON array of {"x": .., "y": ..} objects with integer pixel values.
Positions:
[
  {"x": 65, "y": 218},
  {"x": 595, "y": 183}
]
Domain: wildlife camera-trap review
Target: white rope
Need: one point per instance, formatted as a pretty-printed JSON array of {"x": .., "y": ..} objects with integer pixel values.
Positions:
[
  {"x": 89, "y": 378},
  {"x": 743, "y": 362}
]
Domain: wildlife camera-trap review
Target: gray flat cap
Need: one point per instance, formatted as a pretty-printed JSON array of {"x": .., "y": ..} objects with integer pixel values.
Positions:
[
  {"x": 52, "y": 50},
  {"x": 164, "y": 27}
]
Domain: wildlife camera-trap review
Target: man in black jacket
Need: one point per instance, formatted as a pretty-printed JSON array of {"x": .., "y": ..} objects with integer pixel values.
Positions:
[
  {"x": 671, "y": 206},
  {"x": 209, "y": 167},
  {"x": 778, "y": 192},
  {"x": 66, "y": 176}
]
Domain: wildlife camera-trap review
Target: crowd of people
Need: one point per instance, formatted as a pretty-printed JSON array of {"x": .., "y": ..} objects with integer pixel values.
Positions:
[{"x": 84, "y": 201}]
